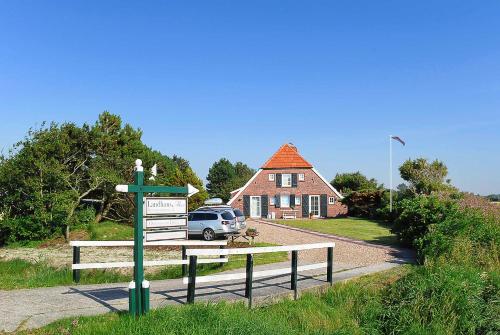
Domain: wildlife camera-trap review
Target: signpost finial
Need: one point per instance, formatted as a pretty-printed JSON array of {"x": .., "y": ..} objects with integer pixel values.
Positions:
[{"x": 138, "y": 165}]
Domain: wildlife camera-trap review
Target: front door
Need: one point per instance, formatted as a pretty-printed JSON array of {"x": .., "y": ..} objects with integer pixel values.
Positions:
[
  {"x": 314, "y": 205},
  {"x": 255, "y": 207}
]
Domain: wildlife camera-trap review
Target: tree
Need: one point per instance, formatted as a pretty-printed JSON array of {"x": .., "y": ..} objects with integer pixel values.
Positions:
[
  {"x": 424, "y": 177},
  {"x": 223, "y": 177},
  {"x": 355, "y": 181},
  {"x": 55, "y": 172}
]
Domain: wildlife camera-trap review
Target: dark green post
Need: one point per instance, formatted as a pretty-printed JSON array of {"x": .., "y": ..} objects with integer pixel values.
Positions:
[
  {"x": 184, "y": 257},
  {"x": 329, "y": 268},
  {"x": 249, "y": 279},
  {"x": 192, "y": 279},
  {"x": 138, "y": 238},
  {"x": 293, "y": 278},
  {"x": 76, "y": 260}
]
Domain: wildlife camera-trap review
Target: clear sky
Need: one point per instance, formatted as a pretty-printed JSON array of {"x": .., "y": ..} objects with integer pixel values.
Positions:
[{"x": 236, "y": 79}]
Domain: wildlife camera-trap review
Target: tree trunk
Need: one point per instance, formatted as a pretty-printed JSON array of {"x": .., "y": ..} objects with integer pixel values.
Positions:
[
  {"x": 104, "y": 210},
  {"x": 66, "y": 233}
]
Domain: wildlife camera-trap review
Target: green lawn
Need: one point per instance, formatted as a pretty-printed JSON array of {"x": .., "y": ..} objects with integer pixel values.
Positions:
[
  {"x": 359, "y": 229},
  {"x": 110, "y": 231},
  {"x": 17, "y": 273},
  {"x": 348, "y": 308}
]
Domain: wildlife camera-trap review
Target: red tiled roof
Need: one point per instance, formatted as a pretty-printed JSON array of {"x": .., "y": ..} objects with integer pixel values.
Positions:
[{"x": 287, "y": 156}]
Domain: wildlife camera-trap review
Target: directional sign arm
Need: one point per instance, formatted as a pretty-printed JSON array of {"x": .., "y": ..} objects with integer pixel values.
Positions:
[{"x": 191, "y": 190}]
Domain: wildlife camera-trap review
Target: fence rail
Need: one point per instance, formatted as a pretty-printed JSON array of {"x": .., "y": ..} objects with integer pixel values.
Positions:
[
  {"x": 249, "y": 274},
  {"x": 77, "y": 265}
]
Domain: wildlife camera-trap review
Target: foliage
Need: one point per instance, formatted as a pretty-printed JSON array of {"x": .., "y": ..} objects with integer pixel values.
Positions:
[
  {"x": 414, "y": 215},
  {"x": 354, "y": 181},
  {"x": 493, "y": 197},
  {"x": 444, "y": 299},
  {"x": 223, "y": 177},
  {"x": 424, "y": 177},
  {"x": 58, "y": 170},
  {"x": 364, "y": 203}
]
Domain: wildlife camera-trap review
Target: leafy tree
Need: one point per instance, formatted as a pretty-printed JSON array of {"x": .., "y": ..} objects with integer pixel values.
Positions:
[
  {"x": 355, "y": 181},
  {"x": 58, "y": 171},
  {"x": 424, "y": 177},
  {"x": 223, "y": 177}
]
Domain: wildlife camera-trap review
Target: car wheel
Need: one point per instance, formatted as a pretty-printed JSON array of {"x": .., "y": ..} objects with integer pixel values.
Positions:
[{"x": 208, "y": 234}]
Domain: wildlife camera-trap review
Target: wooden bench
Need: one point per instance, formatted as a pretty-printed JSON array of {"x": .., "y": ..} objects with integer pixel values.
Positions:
[{"x": 289, "y": 214}]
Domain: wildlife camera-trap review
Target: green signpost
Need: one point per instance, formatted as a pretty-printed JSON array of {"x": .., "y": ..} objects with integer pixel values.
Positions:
[{"x": 139, "y": 287}]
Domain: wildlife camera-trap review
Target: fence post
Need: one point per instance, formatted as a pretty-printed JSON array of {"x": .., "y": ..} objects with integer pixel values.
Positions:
[
  {"x": 76, "y": 260},
  {"x": 222, "y": 256},
  {"x": 145, "y": 296},
  {"x": 329, "y": 269},
  {"x": 192, "y": 279},
  {"x": 293, "y": 278},
  {"x": 249, "y": 280},
  {"x": 184, "y": 257}
]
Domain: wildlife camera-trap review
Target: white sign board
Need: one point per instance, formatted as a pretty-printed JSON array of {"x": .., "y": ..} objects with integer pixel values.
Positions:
[
  {"x": 152, "y": 223},
  {"x": 163, "y": 235},
  {"x": 165, "y": 206}
]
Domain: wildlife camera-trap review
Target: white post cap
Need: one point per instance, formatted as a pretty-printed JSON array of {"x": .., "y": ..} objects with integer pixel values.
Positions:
[
  {"x": 121, "y": 188},
  {"x": 131, "y": 285},
  {"x": 145, "y": 284},
  {"x": 138, "y": 165}
]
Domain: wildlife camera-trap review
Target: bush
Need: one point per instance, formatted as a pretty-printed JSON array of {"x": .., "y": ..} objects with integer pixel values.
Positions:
[
  {"x": 25, "y": 229},
  {"x": 364, "y": 203},
  {"x": 416, "y": 214}
]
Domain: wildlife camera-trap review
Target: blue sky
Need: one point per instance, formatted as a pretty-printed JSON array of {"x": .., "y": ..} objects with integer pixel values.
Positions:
[{"x": 235, "y": 79}]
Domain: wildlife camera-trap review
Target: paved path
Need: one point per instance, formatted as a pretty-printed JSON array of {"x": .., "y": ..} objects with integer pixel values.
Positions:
[{"x": 32, "y": 308}]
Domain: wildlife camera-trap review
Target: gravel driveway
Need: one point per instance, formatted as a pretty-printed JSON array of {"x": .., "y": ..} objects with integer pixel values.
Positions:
[{"x": 347, "y": 254}]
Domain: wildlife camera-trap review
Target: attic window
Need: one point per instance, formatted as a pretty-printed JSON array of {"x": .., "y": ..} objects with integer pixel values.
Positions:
[
  {"x": 301, "y": 177},
  {"x": 286, "y": 180},
  {"x": 271, "y": 177},
  {"x": 331, "y": 200}
]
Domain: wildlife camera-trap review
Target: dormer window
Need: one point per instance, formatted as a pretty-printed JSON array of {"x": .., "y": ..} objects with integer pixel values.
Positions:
[{"x": 286, "y": 180}]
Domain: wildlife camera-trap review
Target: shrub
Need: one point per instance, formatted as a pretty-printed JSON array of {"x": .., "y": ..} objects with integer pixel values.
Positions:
[
  {"x": 416, "y": 214},
  {"x": 25, "y": 229},
  {"x": 364, "y": 203}
]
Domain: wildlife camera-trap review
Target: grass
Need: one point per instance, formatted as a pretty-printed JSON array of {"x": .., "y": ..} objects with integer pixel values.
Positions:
[
  {"x": 110, "y": 231},
  {"x": 353, "y": 307},
  {"x": 355, "y": 228},
  {"x": 17, "y": 273}
]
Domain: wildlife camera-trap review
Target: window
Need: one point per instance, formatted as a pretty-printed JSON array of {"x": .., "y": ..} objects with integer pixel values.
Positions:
[
  {"x": 227, "y": 216},
  {"x": 286, "y": 180},
  {"x": 272, "y": 200},
  {"x": 331, "y": 200},
  {"x": 297, "y": 200},
  {"x": 210, "y": 216},
  {"x": 301, "y": 177},
  {"x": 271, "y": 177},
  {"x": 284, "y": 200}
]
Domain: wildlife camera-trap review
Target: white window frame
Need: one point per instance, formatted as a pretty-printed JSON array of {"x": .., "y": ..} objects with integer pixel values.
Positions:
[
  {"x": 301, "y": 177},
  {"x": 298, "y": 200},
  {"x": 289, "y": 178},
  {"x": 331, "y": 200},
  {"x": 272, "y": 200},
  {"x": 271, "y": 177},
  {"x": 281, "y": 200}
]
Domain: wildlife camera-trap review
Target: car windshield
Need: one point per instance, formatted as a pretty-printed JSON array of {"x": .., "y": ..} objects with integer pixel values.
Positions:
[
  {"x": 227, "y": 216},
  {"x": 237, "y": 212}
]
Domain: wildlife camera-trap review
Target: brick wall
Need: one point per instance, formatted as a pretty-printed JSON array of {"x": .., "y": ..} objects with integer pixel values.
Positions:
[{"x": 312, "y": 185}]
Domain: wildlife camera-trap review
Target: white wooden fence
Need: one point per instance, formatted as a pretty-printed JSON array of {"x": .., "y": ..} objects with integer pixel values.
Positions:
[
  {"x": 248, "y": 275},
  {"x": 77, "y": 266}
]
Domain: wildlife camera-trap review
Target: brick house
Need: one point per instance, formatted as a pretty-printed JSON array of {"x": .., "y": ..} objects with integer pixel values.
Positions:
[{"x": 288, "y": 186}]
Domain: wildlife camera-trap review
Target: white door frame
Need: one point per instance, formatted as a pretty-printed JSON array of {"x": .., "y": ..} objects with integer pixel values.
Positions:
[
  {"x": 259, "y": 208},
  {"x": 319, "y": 205}
]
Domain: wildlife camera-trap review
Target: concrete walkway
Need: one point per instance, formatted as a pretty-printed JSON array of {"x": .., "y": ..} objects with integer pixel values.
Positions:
[{"x": 32, "y": 308}]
